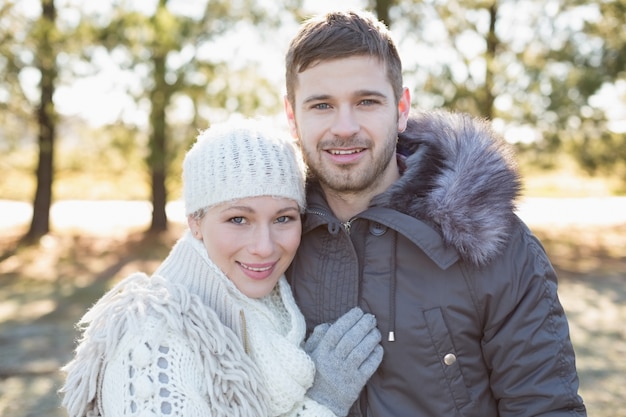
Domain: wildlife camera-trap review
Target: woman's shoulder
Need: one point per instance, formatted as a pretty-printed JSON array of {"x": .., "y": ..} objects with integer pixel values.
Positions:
[
  {"x": 139, "y": 296},
  {"x": 143, "y": 309},
  {"x": 142, "y": 288}
]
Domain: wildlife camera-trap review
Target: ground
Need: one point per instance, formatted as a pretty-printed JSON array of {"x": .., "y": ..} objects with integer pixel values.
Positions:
[{"x": 45, "y": 289}]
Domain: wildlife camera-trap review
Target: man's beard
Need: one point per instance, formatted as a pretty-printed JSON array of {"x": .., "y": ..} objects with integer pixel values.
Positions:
[{"x": 349, "y": 178}]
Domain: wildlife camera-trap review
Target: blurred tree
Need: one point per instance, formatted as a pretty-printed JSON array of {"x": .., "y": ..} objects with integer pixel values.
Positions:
[
  {"x": 16, "y": 111},
  {"x": 179, "y": 57},
  {"x": 535, "y": 67},
  {"x": 35, "y": 48},
  {"x": 453, "y": 52},
  {"x": 600, "y": 53},
  {"x": 45, "y": 36},
  {"x": 382, "y": 9}
]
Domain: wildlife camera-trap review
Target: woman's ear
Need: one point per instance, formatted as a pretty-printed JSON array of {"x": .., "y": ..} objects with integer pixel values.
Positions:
[{"x": 194, "y": 226}]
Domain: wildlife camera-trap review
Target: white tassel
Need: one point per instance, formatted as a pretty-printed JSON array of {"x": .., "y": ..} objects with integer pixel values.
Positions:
[{"x": 392, "y": 336}]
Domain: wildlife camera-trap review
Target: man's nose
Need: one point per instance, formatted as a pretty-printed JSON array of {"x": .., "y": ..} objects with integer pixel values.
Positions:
[{"x": 345, "y": 123}]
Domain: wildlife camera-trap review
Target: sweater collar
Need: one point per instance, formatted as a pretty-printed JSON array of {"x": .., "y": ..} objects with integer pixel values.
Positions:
[{"x": 189, "y": 265}]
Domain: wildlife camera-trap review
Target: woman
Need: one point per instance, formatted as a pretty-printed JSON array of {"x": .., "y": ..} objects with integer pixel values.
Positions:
[{"x": 215, "y": 331}]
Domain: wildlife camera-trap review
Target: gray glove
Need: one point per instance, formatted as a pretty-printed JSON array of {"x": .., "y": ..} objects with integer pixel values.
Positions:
[{"x": 346, "y": 354}]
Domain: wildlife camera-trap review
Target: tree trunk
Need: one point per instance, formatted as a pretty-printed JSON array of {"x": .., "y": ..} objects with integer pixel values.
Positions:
[
  {"x": 382, "y": 8},
  {"x": 492, "y": 46},
  {"x": 46, "y": 118},
  {"x": 158, "y": 147}
]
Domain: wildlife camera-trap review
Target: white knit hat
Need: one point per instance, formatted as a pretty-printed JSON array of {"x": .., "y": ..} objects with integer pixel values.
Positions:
[{"x": 239, "y": 159}]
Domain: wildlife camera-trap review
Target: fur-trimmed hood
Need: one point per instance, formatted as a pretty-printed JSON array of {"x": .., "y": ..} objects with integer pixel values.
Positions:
[{"x": 460, "y": 177}]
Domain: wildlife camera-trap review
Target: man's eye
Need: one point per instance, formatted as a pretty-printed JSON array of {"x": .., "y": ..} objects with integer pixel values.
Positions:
[
  {"x": 321, "y": 106},
  {"x": 368, "y": 102}
]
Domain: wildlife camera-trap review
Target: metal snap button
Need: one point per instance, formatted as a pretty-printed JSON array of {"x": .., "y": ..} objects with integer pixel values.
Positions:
[
  {"x": 449, "y": 359},
  {"x": 377, "y": 229}
]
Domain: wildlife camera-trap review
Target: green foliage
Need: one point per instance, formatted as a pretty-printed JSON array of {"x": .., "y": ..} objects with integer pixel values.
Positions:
[
  {"x": 524, "y": 63},
  {"x": 16, "y": 110}
]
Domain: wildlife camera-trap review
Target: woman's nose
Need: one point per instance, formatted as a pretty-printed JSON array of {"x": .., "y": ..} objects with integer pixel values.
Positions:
[{"x": 263, "y": 242}]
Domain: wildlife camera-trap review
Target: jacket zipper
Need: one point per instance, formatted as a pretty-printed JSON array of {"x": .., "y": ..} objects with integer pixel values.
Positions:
[
  {"x": 318, "y": 212},
  {"x": 346, "y": 225}
]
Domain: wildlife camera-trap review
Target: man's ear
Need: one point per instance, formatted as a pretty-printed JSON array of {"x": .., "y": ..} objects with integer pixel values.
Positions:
[
  {"x": 291, "y": 118},
  {"x": 404, "y": 109}
]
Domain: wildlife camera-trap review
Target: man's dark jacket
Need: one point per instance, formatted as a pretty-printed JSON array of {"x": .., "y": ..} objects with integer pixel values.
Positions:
[{"x": 463, "y": 293}]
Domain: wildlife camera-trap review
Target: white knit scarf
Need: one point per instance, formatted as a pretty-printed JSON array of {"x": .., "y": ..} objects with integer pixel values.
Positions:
[{"x": 274, "y": 327}]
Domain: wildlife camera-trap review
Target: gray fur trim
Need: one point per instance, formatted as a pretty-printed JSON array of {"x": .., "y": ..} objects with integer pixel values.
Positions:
[{"x": 461, "y": 178}]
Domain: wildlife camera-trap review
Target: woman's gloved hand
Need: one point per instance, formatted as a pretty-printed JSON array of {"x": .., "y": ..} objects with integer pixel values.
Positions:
[{"x": 346, "y": 354}]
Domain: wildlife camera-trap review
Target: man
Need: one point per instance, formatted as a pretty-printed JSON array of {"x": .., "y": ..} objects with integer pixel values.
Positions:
[{"x": 412, "y": 219}]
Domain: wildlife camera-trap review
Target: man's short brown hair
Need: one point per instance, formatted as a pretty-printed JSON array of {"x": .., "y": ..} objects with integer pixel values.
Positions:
[{"x": 341, "y": 35}]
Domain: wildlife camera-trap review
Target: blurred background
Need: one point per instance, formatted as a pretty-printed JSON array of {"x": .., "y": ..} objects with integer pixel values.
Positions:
[{"x": 100, "y": 100}]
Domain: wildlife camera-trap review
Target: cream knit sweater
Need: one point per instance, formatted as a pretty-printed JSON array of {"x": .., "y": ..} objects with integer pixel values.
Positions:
[{"x": 186, "y": 342}]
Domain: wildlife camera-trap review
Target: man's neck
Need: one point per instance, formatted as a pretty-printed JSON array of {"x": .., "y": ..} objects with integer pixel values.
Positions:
[{"x": 346, "y": 205}]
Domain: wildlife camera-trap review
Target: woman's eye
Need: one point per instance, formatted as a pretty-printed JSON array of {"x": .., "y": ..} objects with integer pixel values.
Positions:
[
  {"x": 283, "y": 219},
  {"x": 237, "y": 220}
]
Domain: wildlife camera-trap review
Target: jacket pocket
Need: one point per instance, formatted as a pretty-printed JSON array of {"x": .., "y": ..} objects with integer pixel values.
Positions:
[{"x": 447, "y": 355}]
